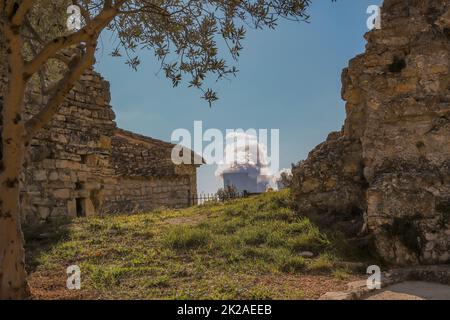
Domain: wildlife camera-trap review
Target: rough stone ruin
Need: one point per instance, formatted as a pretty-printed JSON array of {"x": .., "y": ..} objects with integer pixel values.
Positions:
[
  {"x": 387, "y": 172},
  {"x": 81, "y": 164}
]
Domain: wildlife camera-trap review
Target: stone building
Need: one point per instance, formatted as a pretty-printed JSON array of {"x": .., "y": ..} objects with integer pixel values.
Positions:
[
  {"x": 146, "y": 176},
  {"x": 388, "y": 171},
  {"x": 82, "y": 164}
]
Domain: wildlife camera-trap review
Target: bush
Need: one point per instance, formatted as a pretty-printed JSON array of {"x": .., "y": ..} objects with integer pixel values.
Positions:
[{"x": 229, "y": 192}]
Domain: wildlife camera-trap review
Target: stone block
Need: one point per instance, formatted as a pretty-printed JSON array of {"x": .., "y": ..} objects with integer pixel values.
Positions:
[
  {"x": 53, "y": 176},
  {"x": 40, "y": 175},
  {"x": 71, "y": 208},
  {"x": 62, "y": 193}
]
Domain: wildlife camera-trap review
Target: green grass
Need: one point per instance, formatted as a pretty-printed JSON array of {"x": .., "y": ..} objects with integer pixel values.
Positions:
[
  {"x": 229, "y": 250},
  {"x": 186, "y": 238}
]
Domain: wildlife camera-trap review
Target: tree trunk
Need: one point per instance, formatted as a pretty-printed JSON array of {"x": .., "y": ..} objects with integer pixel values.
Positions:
[
  {"x": 13, "y": 283},
  {"x": 12, "y": 255}
]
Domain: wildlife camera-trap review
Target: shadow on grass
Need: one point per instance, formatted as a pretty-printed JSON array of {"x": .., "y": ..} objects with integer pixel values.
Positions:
[{"x": 42, "y": 237}]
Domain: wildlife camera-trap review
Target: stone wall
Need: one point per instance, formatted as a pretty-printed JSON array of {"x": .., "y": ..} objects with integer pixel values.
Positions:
[
  {"x": 146, "y": 176},
  {"x": 135, "y": 155},
  {"x": 391, "y": 160},
  {"x": 69, "y": 159},
  {"x": 145, "y": 194}
]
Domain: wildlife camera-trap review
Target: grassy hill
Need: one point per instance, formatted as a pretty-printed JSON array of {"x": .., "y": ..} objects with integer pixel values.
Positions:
[{"x": 243, "y": 249}]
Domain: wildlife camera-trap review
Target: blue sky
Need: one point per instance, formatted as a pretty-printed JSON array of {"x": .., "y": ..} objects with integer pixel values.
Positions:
[{"x": 289, "y": 79}]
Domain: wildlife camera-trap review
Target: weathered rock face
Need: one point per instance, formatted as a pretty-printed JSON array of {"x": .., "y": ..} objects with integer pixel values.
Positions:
[
  {"x": 396, "y": 138},
  {"x": 329, "y": 185}
]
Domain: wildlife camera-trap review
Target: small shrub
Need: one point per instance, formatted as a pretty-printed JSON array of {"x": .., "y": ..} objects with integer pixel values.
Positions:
[{"x": 227, "y": 193}]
